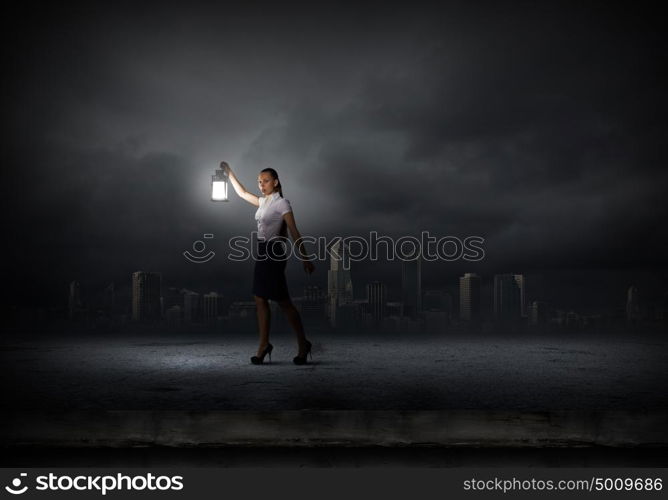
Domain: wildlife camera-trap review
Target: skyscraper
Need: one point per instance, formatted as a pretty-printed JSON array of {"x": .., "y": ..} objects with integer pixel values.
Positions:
[
  {"x": 313, "y": 303},
  {"x": 212, "y": 307},
  {"x": 539, "y": 313},
  {"x": 507, "y": 297},
  {"x": 377, "y": 297},
  {"x": 173, "y": 296},
  {"x": 339, "y": 282},
  {"x": 146, "y": 296},
  {"x": 192, "y": 306},
  {"x": 174, "y": 316},
  {"x": 74, "y": 302},
  {"x": 469, "y": 297},
  {"x": 109, "y": 300},
  {"x": 519, "y": 279},
  {"x": 411, "y": 287},
  {"x": 632, "y": 304}
]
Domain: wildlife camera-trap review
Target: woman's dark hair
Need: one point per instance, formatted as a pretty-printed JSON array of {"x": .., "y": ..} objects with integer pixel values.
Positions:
[{"x": 274, "y": 175}]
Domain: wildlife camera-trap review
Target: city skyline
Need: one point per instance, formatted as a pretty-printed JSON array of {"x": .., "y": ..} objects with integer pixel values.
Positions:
[{"x": 508, "y": 306}]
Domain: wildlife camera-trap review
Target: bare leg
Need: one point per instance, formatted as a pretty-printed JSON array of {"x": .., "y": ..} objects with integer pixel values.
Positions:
[
  {"x": 263, "y": 321},
  {"x": 295, "y": 321}
]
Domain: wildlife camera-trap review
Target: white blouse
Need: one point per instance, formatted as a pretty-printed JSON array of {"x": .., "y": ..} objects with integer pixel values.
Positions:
[{"x": 269, "y": 215}]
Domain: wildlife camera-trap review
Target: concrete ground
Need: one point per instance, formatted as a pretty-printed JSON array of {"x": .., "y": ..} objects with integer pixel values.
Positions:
[
  {"x": 333, "y": 457},
  {"x": 195, "y": 400},
  {"x": 209, "y": 372}
]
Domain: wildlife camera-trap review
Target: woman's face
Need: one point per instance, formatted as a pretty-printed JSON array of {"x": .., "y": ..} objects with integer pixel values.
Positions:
[{"x": 266, "y": 183}]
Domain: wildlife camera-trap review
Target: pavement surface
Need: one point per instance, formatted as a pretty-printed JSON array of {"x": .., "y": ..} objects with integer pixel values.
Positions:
[
  {"x": 336, "y": 457},
  {"x": 212, "y": 372}
]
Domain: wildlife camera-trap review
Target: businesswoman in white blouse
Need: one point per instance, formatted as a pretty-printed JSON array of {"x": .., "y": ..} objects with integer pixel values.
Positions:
[{"x": 274, "y": 215}]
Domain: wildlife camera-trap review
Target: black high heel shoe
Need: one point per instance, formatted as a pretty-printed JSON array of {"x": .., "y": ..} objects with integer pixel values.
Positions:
[
  {"x": 258, "y": 360},
  {"x": 301, "y": 360}
]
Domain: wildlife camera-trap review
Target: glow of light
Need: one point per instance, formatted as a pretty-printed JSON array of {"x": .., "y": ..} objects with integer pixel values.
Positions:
[{"x": 219, "y": 191}]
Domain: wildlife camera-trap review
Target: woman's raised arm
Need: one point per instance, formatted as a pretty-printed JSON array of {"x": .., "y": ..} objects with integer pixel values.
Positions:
[{"x": 238, "y": 187}]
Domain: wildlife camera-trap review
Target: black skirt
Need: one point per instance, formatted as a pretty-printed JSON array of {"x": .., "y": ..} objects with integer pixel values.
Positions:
[{"x": 269, "y": 276}]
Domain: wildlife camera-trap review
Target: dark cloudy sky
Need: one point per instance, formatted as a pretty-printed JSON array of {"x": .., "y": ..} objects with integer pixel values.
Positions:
[{"x": 540, "y": 126}]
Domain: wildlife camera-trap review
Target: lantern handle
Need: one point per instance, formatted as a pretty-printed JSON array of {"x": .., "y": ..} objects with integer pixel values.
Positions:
[{"x": 225, "y": 167}]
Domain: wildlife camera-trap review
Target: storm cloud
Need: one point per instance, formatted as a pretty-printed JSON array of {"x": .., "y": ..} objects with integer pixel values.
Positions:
[{"x": 539, "y": 127}]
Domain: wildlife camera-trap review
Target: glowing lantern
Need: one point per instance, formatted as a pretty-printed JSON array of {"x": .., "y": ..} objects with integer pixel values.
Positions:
[{"x": 219, "y": 186}]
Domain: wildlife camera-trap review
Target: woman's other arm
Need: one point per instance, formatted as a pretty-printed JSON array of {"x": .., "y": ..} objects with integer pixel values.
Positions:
[
  {"x": 238, "y": 186},
  {"x": 294, "y": 232}
]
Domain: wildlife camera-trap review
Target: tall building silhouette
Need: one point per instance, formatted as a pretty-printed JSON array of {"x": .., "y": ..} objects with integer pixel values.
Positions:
[
  {"x": 632, "y": 304},
  {"x": 74, "y": 305},
  {"x": 508, "y": 292},
  {"x": 212, "y": 306},
  {"x": 469, "y": 297},
  {"x": 192, "y": 306},
  {"x": 539, "y": 313},
  {"x": 411, "y": 287},
  {"x": 171, "y": 297},
  {"x": 521, "y": 283},
  {"x": 174, "y": 316},
  {"x": 109, "y": 300},
  {"x": 376, "y": 294},
  {"x": 339, "y": 282},
  {"x": 146, "y": 296},
  {"x": 313, "y": 303}
]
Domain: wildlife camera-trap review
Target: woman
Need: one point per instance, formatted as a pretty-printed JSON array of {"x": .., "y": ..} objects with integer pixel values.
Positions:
[{"x": 273, "y": 215}]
